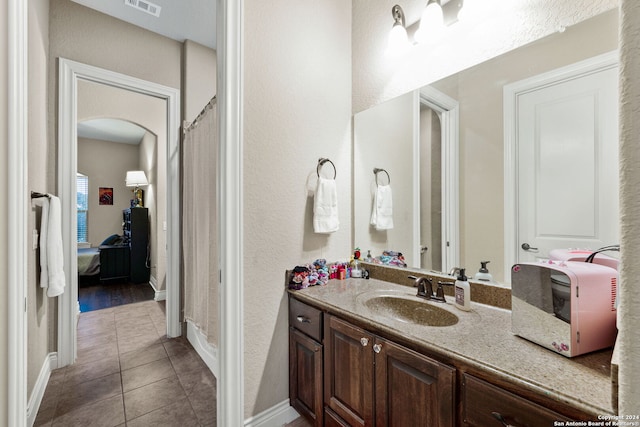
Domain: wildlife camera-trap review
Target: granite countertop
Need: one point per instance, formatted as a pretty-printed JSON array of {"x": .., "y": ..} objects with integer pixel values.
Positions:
[{"x": 482, "y": 338}]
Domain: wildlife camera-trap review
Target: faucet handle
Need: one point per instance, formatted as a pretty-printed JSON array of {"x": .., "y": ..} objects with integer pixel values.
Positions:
[{"x": 440, "y": 290}]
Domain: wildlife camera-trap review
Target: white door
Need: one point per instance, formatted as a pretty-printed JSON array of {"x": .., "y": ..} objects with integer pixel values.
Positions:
[{"x": 567, "y": 165}]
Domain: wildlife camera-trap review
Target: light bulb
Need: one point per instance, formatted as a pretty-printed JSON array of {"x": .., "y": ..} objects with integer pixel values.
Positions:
[
  {"x": 431, "y": 23},
  {"x": 398, "y": 42}
]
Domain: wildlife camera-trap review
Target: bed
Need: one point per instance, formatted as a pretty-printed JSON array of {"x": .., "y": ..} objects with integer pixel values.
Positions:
[{"x": 109, "y": 261}]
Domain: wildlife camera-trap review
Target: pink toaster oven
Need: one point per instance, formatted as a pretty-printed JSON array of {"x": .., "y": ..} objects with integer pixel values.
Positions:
[{"x": 565, "y": 306}]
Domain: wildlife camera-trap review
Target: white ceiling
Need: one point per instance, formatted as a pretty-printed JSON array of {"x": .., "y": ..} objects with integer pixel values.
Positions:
[
  {"x": 113, "y": 130},
  {"x": 179, "y": 19}
]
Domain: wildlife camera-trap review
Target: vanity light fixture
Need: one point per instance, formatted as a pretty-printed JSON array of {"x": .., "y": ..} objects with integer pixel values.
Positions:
[
  {"x": 398, "y": 42},
  {"x": 431, "y": 23}
]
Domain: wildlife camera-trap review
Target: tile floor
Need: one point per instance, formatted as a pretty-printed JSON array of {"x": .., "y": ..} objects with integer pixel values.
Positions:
[{"x": 128, "y": 373}]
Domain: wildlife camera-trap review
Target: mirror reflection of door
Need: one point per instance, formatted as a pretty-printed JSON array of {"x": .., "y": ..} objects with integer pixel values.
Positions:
[
  {"x": 567, "y": 143},
  {"x": 430, "y": 189}
]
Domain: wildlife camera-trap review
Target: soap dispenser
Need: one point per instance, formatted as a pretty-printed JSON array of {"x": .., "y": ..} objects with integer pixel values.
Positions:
[
  {"x": 462, "y": 292},
  {"x": 483, "y": 274}
]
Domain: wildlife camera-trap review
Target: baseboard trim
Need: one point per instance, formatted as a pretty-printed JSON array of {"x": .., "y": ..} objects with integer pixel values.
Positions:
[
  {"x": 160, "y": 295},
  {"x": 276, "y": 416},
  {"x": 207, "y": 351},
  {"x": 50, "y": 363}
]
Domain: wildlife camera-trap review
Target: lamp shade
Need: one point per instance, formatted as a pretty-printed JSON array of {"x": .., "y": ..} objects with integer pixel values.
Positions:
[{"x": 136, "y": 179}]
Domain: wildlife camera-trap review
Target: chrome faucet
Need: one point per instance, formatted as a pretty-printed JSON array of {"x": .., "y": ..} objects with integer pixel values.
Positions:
[{"x": 453, "y": 271}]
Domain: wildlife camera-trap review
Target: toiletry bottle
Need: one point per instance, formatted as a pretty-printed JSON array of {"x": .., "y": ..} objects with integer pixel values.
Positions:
[
  {"x": 369, "y": 258},
  {"x": 483, "y": 274},
  {"x": 462, "y": 292}
]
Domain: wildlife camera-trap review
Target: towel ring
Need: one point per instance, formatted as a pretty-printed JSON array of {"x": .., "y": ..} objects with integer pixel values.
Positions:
[
  {"x": 322, "y": 161},
  {"x": 378, "y": 170}
]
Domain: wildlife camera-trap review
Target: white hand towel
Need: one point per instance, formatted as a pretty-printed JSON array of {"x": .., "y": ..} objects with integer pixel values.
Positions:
[
  {"x": 51, "y": 260},
  {"x": 54, "y": 248},
  {"x": 325, "y": 207},
  {"x": 382, "y": 212},
  {"x": 44, "y": 225}
]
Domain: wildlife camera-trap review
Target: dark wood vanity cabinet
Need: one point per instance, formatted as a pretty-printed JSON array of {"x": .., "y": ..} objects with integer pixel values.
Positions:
[
  {"x": 342, "y": 375},
  {"x": 348, "y": 373},
  {"x": 305, "y": 361},
  {"x": 372, "y": 381},
  {"x": 484, "y": 404},
  {"x": 412, "y": 389}
]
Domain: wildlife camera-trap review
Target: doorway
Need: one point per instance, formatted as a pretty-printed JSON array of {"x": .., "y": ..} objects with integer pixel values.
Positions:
[{"x": 70, "y": 74}]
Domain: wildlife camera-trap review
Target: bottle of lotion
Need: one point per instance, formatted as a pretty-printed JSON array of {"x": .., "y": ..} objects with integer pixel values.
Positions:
[{"x": 462, "y": 292}]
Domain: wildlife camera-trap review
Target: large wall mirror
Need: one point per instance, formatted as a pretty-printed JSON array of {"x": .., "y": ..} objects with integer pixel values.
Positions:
[{"x": 432, "y": 231}]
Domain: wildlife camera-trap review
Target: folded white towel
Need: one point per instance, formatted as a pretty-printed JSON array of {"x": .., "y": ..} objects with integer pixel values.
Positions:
[
  {"x": 52, "y": 274},
  {"x": 325, "y": 207},
  {"x": 382, "y": 212}
]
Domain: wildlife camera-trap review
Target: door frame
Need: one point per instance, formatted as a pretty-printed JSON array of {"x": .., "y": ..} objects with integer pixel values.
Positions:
[
  {"x": 449, "y": 111},
  {"x": 70, "y": 72},
  {"x": 17, "y": 212},
  {"x": 511, "y": 94}
]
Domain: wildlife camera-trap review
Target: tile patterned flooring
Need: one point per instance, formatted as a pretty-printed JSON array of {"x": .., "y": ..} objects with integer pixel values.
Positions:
[{"x": 128, "y": 373}]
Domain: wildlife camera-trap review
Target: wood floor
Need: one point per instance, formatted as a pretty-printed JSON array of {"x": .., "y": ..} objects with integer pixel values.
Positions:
[{"x": 94, "y": 295}]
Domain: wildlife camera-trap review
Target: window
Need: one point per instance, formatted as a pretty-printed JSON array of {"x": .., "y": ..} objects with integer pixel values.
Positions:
[{"x": 82, "y": 201}]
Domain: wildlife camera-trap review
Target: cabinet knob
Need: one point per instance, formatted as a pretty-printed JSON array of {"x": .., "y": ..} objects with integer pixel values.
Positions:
[
  {"x": 364, "y": 341},
  {"x": 303, "y": 319},
  {"x": 377, "y": 348}
]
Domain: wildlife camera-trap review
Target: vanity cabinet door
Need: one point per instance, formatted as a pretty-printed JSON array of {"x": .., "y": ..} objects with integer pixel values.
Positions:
[
  {"x": 348, "y": 364},
  {"x": 412, "y": 389},
  {"x": 305, "y": 376}
]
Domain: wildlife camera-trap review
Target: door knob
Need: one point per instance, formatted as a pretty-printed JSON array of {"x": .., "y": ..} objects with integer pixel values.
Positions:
[
  {"x": 364, "y": 341},
  {"x": 377, "y": 348},
  {"x": 527, "y": 247}
]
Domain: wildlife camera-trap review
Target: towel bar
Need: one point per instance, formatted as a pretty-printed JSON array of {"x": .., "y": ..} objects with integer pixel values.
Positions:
[
  {"x": 36, "y": 195},
  {"x": 322, "y": 161},
  {"x": 378, "y": 170}
]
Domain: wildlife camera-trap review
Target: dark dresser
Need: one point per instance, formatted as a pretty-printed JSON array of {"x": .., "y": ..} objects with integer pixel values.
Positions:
[{"x": 136, "y": 231}]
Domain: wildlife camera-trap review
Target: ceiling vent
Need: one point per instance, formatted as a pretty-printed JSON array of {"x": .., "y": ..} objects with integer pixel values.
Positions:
[{"x": 144, "y": 6}]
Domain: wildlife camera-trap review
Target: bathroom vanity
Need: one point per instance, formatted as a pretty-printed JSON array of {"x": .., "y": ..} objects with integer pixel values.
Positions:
[{"x": 368, "y": 352}]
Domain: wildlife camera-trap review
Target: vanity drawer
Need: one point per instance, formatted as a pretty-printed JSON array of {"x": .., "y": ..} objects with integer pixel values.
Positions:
[
  {"x": 483, "y": 404},
  {"x": 306, "y": 319}
]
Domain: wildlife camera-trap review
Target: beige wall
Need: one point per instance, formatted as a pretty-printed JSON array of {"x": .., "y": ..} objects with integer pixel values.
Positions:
[
  {"x": 297, "y": 108},
  {"x": 4, "y": 221},
  {"x": 147, "y": 161},
  {"x": 377, "y": 78},
  {"x": 199, "y": 73},
  {"x": 106, "y": 164},
  {"x": 39, "y": 307}
]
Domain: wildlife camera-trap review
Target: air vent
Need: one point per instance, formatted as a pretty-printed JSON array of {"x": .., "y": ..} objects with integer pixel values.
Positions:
[{"x": 144, "y": 6}]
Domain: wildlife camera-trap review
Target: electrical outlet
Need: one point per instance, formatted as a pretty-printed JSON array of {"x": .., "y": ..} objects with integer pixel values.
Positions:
[
  {"x": 35, "y": 239},
  {"x": 164, "y": 225}
]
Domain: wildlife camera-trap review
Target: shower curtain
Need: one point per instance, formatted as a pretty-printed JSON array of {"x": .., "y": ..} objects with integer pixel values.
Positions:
[{"x": 199, "y": 223}]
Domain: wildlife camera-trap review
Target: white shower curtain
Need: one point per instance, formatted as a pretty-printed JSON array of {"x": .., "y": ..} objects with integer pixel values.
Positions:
[{"x": 199, "y": 223}]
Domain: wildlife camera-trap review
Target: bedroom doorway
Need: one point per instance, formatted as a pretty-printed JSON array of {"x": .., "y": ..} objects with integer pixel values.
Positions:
[
  {"x": 113, "y": 268},
  {"x": 72, "y": 76}
]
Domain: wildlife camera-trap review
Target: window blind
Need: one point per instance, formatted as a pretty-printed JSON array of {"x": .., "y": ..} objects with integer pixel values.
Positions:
[{"x": 82, "y": 200}]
